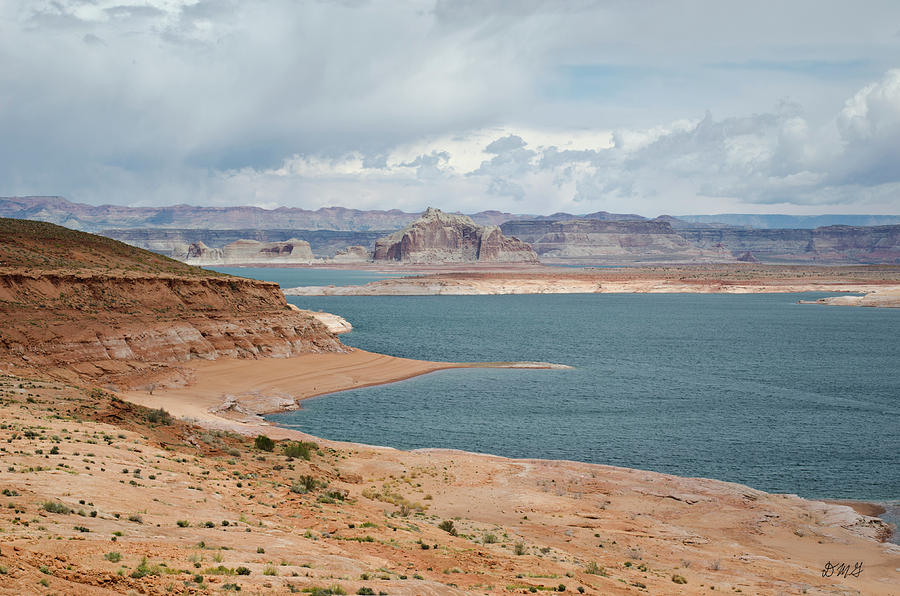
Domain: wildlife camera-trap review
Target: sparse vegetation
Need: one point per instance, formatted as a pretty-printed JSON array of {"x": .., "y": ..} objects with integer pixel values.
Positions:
[
  {"x": 263, "y": 443},
  {"x": 299, "y": 449},
  {"x": 55, "y": 507},
  {"x": 447, "y": 526}
]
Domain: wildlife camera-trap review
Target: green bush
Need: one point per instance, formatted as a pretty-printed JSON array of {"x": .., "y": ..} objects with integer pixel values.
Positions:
[
  {"x": 159, "y": 416},
  {"x": 299, "y": 449},
  {"x": 54, "y": 507},
  {"x": 183, "y": 523},
  {"x": 447, "y": 526},
  {"x": 263, "y": 443},
  {"x": 113, "y": 557}
]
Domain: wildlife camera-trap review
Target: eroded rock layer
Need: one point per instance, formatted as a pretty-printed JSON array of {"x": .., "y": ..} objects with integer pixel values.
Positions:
[{"x": 125, "y": 309}]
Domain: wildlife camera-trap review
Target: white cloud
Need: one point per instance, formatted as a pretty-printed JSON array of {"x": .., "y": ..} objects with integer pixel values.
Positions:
[{"x": 535, "y": 106}]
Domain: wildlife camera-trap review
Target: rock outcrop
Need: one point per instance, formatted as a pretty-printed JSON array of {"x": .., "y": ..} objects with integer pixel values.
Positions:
[
  {"x": 591, "y": 241},
  {"x": 251, "y": 252},
  {"x": 831, "y": 244},
  {"x": 73, "y": 301},
  {"x": 352, "y": 254},
  {"x": 439, "y": 237}
]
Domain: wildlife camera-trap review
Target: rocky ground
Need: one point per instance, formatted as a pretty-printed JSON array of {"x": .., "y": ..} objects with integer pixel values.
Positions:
[{"x": 104, "y": 497}]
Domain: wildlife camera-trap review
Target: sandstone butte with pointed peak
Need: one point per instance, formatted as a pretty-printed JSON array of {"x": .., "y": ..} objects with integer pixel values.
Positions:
[{"x": 439, "y": 237}]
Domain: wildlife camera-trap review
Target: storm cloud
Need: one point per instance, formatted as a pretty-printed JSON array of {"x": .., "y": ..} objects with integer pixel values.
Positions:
[{"x": 524, "y": 106}]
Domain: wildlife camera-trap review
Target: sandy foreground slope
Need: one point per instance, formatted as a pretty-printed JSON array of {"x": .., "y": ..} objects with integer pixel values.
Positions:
[{"x": 201, "y": 504}]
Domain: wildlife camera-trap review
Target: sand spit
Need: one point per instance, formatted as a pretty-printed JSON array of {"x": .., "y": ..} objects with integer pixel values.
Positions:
[
  {"x": 878, "y": 286},
  {"x": 235, "y": 393}
]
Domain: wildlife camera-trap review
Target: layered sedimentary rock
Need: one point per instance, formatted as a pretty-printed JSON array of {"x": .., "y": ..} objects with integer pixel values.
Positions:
[
  {"x": 93, "y": 218},
  {"x": 176, "y": 242},
  {"x": 251, "y": 252},
  {"x": 598, "y": 241},
  {"x": 438, "y": 237},
  {"x": 831, "y": 244},
  {"x": 69, "y": 298}
]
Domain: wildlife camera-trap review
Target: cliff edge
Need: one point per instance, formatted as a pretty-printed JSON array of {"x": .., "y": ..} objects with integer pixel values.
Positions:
[{"x": 78, "y": 304}]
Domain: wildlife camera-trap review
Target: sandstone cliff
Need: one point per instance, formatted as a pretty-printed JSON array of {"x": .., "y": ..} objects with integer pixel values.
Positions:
[
  {"x": 438, "y": 237},
  {"x": 251, "y": 252},
  {"x": 831, "y": 244},
  {"x": 176, "y": 242},
  {"x": 592, "y": 241},
  {"x": 111, "y": 311}
]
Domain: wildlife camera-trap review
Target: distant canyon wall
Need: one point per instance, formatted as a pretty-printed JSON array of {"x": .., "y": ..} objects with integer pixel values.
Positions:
[
  {"x": 623, "y": 242},
  {"x": 176, "y": 243},
  {"x": 587, "y": 241},
  {"x": 93, "y": 218}
]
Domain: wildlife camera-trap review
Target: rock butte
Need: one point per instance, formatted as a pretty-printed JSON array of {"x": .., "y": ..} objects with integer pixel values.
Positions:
[{"x": 438, "y": 237}]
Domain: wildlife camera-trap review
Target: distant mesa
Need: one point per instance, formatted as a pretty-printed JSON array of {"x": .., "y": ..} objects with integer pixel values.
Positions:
[
  {"x": 242, "y": 252},
  {"x": 610, "y": 241},
  {"x": 439, "y": 237}
]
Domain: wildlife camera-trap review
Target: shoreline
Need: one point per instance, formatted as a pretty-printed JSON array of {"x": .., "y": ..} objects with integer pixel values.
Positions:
[
  {"x": 238, "y": 392},
  {"x": 865, "y": 294},
  {"x": 255, "y": 388}
]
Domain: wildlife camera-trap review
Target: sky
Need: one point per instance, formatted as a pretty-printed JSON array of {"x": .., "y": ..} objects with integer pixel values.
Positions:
[{"x": 525, "y": 106}]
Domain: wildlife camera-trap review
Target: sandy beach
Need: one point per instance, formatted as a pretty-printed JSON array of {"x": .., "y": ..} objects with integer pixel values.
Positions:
[{"x": 234, "y": 393}]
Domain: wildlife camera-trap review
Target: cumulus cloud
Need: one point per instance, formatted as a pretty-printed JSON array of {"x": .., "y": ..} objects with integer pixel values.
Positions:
[{"x": 469, "y": 105}]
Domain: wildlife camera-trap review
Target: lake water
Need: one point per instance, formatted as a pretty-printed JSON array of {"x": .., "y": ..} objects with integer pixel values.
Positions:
[
  {"x": 292, "y": 277},
  {"x": 748, "y": 388}
]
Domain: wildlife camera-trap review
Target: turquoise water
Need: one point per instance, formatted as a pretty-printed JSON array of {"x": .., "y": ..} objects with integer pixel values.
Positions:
[
  {"x": 297, "y": 276},
  {"x": 748, "y": 388}
]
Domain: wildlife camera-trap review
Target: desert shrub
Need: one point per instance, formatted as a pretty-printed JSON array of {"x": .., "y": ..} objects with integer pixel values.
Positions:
[
  {"x": 220, "y": 570},
  {"x": 270, "y": 570},
  {"x": 594, "y": 569},
  {"x": 305, "y": 484},
  {"x": 113, "y": 557},
  {"x": 242, "y": 571},
  {"x": 489, "y": 539},
  {"x": 365, "y": 591},
  {"x": 519, "y": 548},
  {"x": 679, "y": 579},
  {"x": 317, "y": 591},
  {"x": 136, "y": 518},
  {"x": 159, "y": 416},
  {"x": 298, "y": 449},
  {"x": 55, "y": 507},
  {"x": 144, "y": 569},
  {"x": 263, "y": 443},
  {"x": 183, "y": 523},
  {"x": 447, "y": 526}
]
